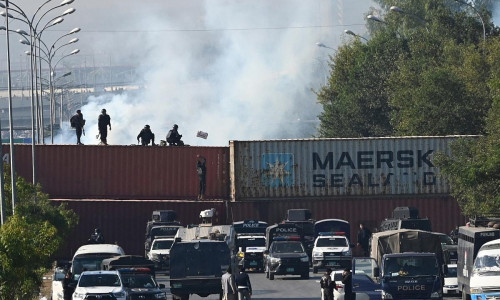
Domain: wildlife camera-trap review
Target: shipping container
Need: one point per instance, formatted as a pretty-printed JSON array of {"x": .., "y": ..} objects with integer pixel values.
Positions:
[
  {"x": 443, "y": 212},
  {"x": 124, "y": 222},
  {"x": 337, "y": 167},
  {"x": 124, "y": 172}
]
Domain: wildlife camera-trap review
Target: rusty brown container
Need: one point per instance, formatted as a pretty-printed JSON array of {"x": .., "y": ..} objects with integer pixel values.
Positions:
[
  {"x": 124, "y": 172},
  {"x": 443, "y": 212},
  {"x": 124, "y": 222}
]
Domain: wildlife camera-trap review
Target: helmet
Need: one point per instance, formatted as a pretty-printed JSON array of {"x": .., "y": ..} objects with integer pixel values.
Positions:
[
  {"x": 146, "y": 126},
  {"x": 175, "y": 126},
  {"x": 97, "y": 230},
  {"x": 103, "y": 110}
]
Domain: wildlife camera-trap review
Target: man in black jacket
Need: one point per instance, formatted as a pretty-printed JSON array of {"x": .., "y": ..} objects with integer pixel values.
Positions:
[
  {"x": 327, "y": 285},
  {"x": 78, "y": 122},
  {"x": 103, "y": 122},
  {"x": 146, "y": 135},
  {"x": 347, "y": 281},
  {"x": 242, "y": 281}
]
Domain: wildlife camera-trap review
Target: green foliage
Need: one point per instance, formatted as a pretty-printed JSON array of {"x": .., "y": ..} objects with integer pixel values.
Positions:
[{"x": 29, "y": 239}]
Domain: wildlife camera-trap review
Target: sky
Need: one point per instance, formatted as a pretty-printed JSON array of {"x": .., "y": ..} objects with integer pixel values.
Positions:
[{"x": 236, "y": 69}]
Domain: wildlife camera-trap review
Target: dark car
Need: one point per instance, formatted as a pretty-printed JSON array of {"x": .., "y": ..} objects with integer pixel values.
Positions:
[
  {"x": 286, "y": 258},
  {"x": 140, "y": 284}
]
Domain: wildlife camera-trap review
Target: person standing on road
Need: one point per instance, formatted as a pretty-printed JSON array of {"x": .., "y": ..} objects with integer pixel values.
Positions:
[
  {"x": 146, "y": 135},
  {"x": 228, "y": 286},
  {"x": 201, "y": 169},
  {"x": 78, "y": 122},
  {"x": 327, "y": 285},
  {"x": 347, "y": 281},
  {"x": 364, "y": 236},
  {"x": 242, "y": 281},
  {"x": 68, "y": 287},
  {"x": 103, "y": 122}
]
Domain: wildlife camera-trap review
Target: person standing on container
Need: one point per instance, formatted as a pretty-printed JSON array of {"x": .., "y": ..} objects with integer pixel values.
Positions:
[
  {"x": 78, "y": 122},
  {"x": 103, "y": 122},
  {"x": 201, "y": 169},
  {"x": 364, "y": 236},
  {"x": 228, "y": 286}
]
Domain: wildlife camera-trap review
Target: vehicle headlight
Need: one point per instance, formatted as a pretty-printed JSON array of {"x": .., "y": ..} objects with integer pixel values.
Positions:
[
  {"x": 78, "y": 295},
  {"x": 347, "y": 253},
  {"x": 275, "y": 260},
  {"x": 304, "y": 259},
  {"x": 161, "y": 296},
  {"x": 476, "y": 290},
  {"x": 436, "y": 295},
  {"x": 386, "y": 295},
  {"x": 318, "y": 254},
  {"x": 119, "y": 294}
]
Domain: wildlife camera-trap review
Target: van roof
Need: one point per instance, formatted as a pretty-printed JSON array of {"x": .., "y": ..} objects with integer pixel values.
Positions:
[
  {"x": 492, "y": 242},
  {"x": 99, "y": 248}
]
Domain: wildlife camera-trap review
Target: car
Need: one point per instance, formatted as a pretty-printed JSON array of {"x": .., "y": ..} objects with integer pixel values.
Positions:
[
  {"x": 331, "y": 250},
  {"x": 140, "y": 284},
  {"x": 102, "y": 285},
  {"x": 160, "y": 252},
  {"x": 286, "y": 258},
  {"x": 450, "y": 280}
]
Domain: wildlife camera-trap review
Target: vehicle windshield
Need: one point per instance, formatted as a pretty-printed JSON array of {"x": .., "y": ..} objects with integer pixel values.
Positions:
[
  {"x": 251, "y": 242},
  {"x": 410, "y": 266},
  {"x": 452, "y": 272},
  {"x": 88, "y": 280},
  {"x": 488, "y": 265},
  {"x": 331, "y": 242},
  {"x": 135, "y": 281},
  {"x": 164, "y": 231},
  {"x": 91, "y": 262},
  {"x": 288, "y": 248},
  {"x": 162, "y": 245}
]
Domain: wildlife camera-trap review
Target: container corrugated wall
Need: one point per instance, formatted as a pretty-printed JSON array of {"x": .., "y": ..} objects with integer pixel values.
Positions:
[
  {"x": 443, "y": 212},
  {"x": 124, "y": 222},
  {"x": 336, "y": 167},
  {"x": 124, "y": 172}
]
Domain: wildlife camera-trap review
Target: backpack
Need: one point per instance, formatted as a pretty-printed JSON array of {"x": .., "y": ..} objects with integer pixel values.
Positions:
[
  {"x": 74, "y": 121},
  {"x": 169, "y": 136}
]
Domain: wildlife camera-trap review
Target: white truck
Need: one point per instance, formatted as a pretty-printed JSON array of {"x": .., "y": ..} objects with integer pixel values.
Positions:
[
  {"x": 485, "y": 277},
  {"x": 160, "y": 252},
  {"x": 331, "y": 250}
]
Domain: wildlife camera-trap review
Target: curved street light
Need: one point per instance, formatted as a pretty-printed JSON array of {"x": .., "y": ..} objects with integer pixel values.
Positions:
[
  {"x": 401, "y": 11},
  {"x": 376, "y": 19},
  {"x": 349, "y": 32},
  {"x": 323, "y": 46},
  {"x": 478, "y": 14}
]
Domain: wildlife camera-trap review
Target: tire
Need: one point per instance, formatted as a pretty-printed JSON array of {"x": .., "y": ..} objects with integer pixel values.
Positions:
[
  {"x": 271, "y": 275},
  {"x": 185, "y": 297},
  {"x": 315, "y": 270}
]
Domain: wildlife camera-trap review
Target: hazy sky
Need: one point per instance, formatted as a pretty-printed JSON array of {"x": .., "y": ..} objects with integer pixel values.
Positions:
[{"x": 237, "y": 69}]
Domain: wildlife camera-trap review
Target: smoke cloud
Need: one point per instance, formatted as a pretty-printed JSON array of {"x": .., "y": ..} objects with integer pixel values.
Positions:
[{"x": 247, "y": 74}]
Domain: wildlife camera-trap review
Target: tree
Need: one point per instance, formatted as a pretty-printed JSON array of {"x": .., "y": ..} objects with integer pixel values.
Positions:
[{"x": 29, "y": 239}]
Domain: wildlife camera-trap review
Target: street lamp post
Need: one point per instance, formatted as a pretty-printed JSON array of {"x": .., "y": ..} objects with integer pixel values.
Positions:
[
  {"x": 400, "y": 11},
  {"x": 478, "y": 14},
  {"x": 349, "y": 32},
  {"x": 323, "y": 46}
]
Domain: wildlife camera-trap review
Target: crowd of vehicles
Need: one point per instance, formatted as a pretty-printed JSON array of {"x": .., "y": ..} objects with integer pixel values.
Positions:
[{"x": 403, "y": 263}]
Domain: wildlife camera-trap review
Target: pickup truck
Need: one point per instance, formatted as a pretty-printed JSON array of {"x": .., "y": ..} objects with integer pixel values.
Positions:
[{"x": 286, "y": 258}]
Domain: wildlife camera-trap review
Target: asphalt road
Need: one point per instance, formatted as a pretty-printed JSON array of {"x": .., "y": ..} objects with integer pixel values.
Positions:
[{"x": 282, "y": 287}]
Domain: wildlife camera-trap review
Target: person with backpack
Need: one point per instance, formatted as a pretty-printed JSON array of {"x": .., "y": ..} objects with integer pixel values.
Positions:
[
  {"x": 174, "y": 138},
  {"x": 78, "y": 122},
  {"x": 103, "y": 122},
  {"x": 146, "y": 136},
  {"x": 327, "y": 285}
]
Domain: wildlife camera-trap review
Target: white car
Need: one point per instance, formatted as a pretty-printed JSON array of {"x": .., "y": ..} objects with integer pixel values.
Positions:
[
  {"x": 450, "y": 280},
  {"x": 160, "y": 252},
  {"x": 331, "y": 251},
  {"x": 100, "y": 285}
]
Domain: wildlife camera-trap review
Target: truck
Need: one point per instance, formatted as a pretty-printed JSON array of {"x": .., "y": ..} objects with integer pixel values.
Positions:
[
  {"x": 408, "y": 264},
  {"x": 405, "y": 217},
  {"x": 250, "y": 243},
  {"x": 471, "y": 238},
  {"x": 199, "y": 256},
  {"x": 331, "y": 250},
  {"x": 163, "y": 223},
  {"x": 302, "y": 218},
  {"x": 485, "y": 278},
  {"x": 283, "y": 232}
]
